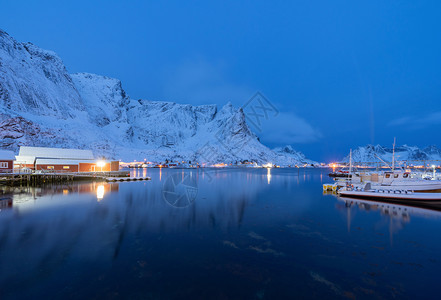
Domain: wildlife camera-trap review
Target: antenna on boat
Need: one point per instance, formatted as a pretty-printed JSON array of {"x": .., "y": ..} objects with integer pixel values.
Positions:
[
  {"x": 393, "y": 156},
  {"x": 350, "y": 162}
]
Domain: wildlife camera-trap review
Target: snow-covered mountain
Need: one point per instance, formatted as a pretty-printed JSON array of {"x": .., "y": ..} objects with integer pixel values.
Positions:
[
  {"x": 370, "y": 153},
  {"x": 41, "y": 104},
  {"x": 288, "y": 156}
]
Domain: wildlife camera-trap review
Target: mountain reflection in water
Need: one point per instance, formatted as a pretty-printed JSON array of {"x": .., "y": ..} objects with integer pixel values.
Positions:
[{"x": 257, "y": 233}]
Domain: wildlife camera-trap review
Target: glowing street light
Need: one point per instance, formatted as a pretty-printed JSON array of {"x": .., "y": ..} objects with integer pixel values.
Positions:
[{"x": 101, "y": 164}]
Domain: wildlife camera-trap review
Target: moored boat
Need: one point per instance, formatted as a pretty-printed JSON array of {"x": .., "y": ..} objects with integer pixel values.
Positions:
[
  {"x": 394, "y": 180},
  {"x": 398, "y": 180},
  {"x": 370, "y": 193},
  {"x": 340, "y": 174}
]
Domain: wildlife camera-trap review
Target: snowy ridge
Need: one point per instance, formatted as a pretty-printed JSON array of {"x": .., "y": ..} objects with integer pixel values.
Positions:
[
  {"x": 105, "y": 98},
  {"x": 292, "y": 157},
  {"x": 41, "y": 104},
  {"x": 370, "y": 153},
  {"x": 34, "y": 80}
]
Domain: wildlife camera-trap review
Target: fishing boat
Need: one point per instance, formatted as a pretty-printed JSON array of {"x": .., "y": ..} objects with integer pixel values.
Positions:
[
  {"x": 394, "y": 180},
  {"x": 399, "y": 180},
  {"x": 368, "y": 192},
  {"x": 340, "y": 174}
]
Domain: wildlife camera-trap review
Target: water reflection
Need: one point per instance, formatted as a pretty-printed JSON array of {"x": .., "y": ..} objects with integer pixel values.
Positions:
[
  {"x": 5, "y": 203},
  {"x": 248, "y": 234},
  {"x": 398, "y": 214},
  {"x": 100, "y": 192},
  {"x": 44, "y": 223}
]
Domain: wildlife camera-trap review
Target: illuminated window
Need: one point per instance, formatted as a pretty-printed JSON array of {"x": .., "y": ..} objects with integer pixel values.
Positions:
[
  {"x": 66, "y": 167},
  {"x": 3, "y": 164},
  {"x": 396, "y": 176},
  {"x": 387, "y": 175},
  {"x": 50, "y": 167}
]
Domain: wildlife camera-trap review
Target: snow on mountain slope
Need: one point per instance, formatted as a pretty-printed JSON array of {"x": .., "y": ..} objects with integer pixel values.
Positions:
[
  {"x": 34, "y": 81},
  {"x": 370, "y": 153},
  {"x": 166, "y": 123},
  {"x": 103, "y": 98},
  {"x": 196, "y": 133},
  {"x": 290, "y": 156},
  {"x": 41, "y": 104}
]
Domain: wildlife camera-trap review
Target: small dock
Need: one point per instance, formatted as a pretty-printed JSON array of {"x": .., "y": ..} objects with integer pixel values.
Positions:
[{"x": 34, "y": 179}]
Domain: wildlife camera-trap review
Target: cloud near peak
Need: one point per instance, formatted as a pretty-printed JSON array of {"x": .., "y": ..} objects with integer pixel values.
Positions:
[
  {"x": 418, "y": 122},
  {"x": 287, "y": 128}
]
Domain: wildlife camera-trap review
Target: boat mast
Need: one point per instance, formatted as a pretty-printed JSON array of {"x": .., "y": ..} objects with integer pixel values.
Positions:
[
  {"x": 393, "y": 156},
  {"x": 350, "y": 162}
]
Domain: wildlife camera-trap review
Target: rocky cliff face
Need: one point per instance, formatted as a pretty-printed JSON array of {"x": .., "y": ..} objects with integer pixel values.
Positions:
[
  {"x": 34, "y": 81},
  {"x": 41, "y": 104}
]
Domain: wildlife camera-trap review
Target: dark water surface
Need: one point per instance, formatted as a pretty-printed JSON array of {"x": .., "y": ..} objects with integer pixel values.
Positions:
[{"x": 219, "y": 234}]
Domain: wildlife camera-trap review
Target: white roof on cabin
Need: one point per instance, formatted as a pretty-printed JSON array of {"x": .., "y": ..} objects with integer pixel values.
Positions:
[
  {"x": 6, "y": 155},
  {"x": 29, "y": 160},
  {"x": 48, "y": 161},
  {"x": 60, "y": 153}
]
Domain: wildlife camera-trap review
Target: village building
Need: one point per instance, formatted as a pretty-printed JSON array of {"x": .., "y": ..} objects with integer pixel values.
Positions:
[
  {"x": 62, "y": 160},
  {"x": 6, "y": 161}
]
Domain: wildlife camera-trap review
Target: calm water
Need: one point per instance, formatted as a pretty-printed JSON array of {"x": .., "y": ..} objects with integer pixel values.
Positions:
[{"x": 225, "y": 234}]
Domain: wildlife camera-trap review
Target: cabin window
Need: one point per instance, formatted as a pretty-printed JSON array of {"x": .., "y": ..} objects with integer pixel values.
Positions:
[
  {"x": 396, "y": 176},
  {"x": 405, "y": 175},
  {"x": 50, "y": 167},
  {"x": 66, "y": 167},
  {"x": 387, "y": 175},
  {"x": 3, "y": 164}
]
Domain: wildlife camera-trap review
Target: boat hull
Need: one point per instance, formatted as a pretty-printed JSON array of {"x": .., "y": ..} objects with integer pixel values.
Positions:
[
  {"x": 392, "y": 195},
  {"x": 339, "y": 175},
  {"x": 429, "y": 186}
]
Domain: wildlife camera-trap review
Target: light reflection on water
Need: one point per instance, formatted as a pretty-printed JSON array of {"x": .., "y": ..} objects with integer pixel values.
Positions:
[{"x": 249, "y": 234}]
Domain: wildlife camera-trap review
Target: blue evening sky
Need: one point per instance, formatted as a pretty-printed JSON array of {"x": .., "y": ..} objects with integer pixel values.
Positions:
[{"x": 340, "y": 73}]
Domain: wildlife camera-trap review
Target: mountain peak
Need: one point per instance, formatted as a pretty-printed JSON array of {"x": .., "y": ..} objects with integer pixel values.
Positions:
[
  {"x": 369, "y": 153},
  {"x": 298, "y": 158},
  {"x": 42, "y": 104}
]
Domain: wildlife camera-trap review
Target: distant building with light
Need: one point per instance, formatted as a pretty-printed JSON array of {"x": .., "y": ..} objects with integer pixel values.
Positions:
[{"x": 59, "y": 159}]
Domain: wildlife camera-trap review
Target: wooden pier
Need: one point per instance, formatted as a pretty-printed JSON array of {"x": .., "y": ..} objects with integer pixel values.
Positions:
[{"x": 35, "y": 179}]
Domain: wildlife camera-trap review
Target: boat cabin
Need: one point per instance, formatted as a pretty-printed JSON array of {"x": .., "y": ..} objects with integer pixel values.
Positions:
[{"x": 399, "y": 176}]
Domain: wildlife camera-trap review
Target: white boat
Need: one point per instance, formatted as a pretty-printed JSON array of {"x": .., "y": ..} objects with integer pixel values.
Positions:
[
  {"x": 403, "y": 180},
  {"x": 372, "y": 193},
  {"x": 394, "y": 180}
]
